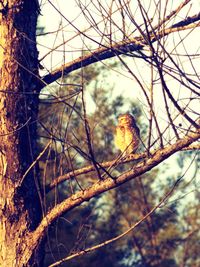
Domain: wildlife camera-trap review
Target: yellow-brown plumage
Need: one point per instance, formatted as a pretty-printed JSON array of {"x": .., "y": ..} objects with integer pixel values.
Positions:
[{"x": 127, "y": 136}]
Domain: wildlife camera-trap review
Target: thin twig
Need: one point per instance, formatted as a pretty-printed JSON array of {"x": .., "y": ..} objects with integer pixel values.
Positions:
[{"x": 33, "y": 163}]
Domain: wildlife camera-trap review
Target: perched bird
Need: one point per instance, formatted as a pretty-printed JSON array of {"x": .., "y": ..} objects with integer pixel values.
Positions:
[{"x": 127, "y": 136}]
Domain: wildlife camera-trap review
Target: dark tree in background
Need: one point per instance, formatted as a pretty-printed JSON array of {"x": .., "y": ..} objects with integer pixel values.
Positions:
[{"x": 70, "y": 166}]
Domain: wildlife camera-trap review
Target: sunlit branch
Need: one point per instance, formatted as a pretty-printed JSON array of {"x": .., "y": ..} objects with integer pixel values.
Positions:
[
  {"x": 97, "y": 56},
  {"x": 88, "y": 169},
  {"x": 130, "y": 45},
  {"x": 99, "y": 187},
  {"x": 171, "y": 15},
  {"x": 131, "y": 158}
]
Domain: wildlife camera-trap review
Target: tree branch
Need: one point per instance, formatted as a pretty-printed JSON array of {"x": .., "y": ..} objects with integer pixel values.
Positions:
[
  {"x": 90, "y": 168},
  {"x": 116, "y": 238},
  {"x": 99, "y": 55},
  {"x": 130, "y": 45},
  {"x": 32, "y": 239},
  {"x": 133, "y": 157}
]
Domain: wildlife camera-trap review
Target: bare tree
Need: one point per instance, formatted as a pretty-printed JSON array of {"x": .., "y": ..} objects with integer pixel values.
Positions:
[{"x": 158, "y": 36}]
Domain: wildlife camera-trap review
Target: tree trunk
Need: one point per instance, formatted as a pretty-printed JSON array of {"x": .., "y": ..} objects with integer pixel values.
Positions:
[{"x": 20, "y": 210}]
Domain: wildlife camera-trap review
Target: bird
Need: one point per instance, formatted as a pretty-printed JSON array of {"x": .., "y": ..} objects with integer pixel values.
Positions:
[{"x": 127, "y": 135}]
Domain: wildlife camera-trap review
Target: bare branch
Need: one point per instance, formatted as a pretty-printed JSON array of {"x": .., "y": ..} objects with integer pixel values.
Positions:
[
  {"x": 131, "y": 158},
  {"x": 130, "y": 45},
  {"x": 76, "y": 199},
  {"x": 172, "y": 14},
  {"x": 98, "y": 55},
  {"x": 90, "y": 168},
  {"x": 131, "y": 228}
]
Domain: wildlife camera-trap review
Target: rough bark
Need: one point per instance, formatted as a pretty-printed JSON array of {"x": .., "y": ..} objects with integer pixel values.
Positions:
[{"x": 19, "y": 206}]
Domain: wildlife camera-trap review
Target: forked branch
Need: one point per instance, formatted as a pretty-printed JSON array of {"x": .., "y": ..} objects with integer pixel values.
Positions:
[{"x": 32, "y": 239}]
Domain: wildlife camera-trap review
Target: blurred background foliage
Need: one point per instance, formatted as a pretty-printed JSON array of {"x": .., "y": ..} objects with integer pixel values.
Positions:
[{"x": 170, "y": 237}]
